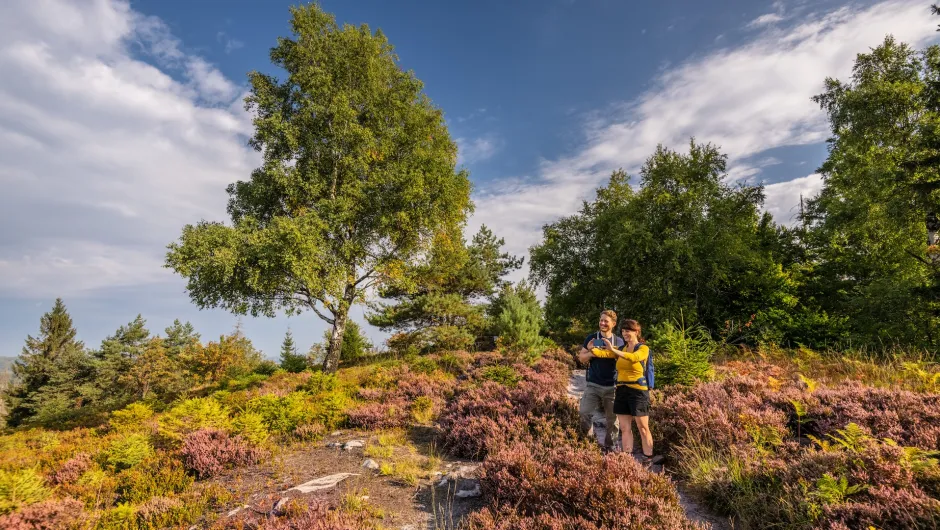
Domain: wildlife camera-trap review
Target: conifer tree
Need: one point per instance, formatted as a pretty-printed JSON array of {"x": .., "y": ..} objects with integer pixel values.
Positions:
[
  {"x": 48, "y": 372},
  {"x": 291, "y": 360}
]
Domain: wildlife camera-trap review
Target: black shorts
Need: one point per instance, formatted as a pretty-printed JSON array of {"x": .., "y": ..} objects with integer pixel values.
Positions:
[{"x": 632, "y": 402}]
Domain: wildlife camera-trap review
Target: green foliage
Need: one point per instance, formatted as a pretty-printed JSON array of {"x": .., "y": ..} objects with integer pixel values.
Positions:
[
  {"x": 291, "y": 360},
  {"x": 355, "y": 343},
  {"x": 19, "y": 488},
  {"x": 251, "y": 426},
  {"x": 244, "y": 382},
  {"x": 867, "y": 227},
  {"x": 682, "y": 355},
  {"x": 357, "y": 172},
  {"x": 281, "y": 415},
  {"x": 423, "y": 365},
  {"x": 831, "y": 490},
  {"x": 517, "y": 319},
  {"x": 49, "y": 372},
  {"x": 121, "y": 517},
  {"x": 131, "y": 418},
  {"x": 232, "y": 356},
  {"x": 266, "y": 367},
  {"x": 422, "y": 410},
  {"x": 685, "y": 242},
  {"x": 320, "y": 382},
  {"x": 159, "y": 476},
  {"x": 114, "y": 384},
  {"x": 437, "y": 302},
  {"x": 127, "y": 451},
  {"x": 192, "y": 415},
  {"x": 502, "y": 374}
]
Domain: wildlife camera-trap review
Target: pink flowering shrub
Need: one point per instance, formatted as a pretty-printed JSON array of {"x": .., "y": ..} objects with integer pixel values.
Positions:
[
  {"x": 70, "y": 470},
  {"x": 557, "y": 480},
  {"x": 315, "y": 515},
  {"x": 208, "y": 452},
  {"x": 49, "y": 515},
  {"x": 383, "y": 415}
]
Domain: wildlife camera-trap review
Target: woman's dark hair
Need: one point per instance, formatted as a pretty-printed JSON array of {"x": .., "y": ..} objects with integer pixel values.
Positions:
[{"x": 632, "y": 325}]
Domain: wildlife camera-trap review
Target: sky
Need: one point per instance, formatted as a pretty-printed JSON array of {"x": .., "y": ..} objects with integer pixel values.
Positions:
[{"x": 121, "y": 122}]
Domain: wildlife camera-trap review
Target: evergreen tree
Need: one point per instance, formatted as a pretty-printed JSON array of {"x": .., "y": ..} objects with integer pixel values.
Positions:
[
  {"x": 355, "y": 343},
  {"x": 179, "y": 337},
  {"x": 114, "y": 361},
  {"x": 439, "y": 304},
  {"x": 516, "y": 317},
  {"x": 291, "y": 360},
  {"x": 48, "y": 372}
]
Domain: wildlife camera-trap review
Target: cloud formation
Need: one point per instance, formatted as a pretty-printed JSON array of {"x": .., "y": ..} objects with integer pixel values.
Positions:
[
  {"x": 112, "y": 138},
  {"x": 746, "y": 99}
]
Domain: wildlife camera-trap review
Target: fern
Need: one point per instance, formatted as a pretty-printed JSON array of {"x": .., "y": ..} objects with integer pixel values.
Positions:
[
  {"x": 852, "y": 438},
  {"x": 830, "y": 490}
]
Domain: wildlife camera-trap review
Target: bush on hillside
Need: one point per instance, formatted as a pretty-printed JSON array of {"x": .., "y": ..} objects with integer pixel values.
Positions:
[
  {"x": 134, "y": 417},
  {"x": 70, "y": 470},
  {"x": 192, "y": 415},
  {"x": 682, "y": 355},
  {"x": 48, "y": 515},
  {"x": 127, "y": 451},
  {"x": 159, "y": 476},
  {"x": 20, "y": 488},
  {"x": 207, "y": 452}
]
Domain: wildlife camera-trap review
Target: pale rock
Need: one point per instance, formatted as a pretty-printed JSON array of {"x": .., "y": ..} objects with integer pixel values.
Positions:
[
  {"x": 370, "y": 464},
  {"x": 353, "y": 444},
  {"x": 322, "y": 483},
  {"x": 465, "y": 494}
]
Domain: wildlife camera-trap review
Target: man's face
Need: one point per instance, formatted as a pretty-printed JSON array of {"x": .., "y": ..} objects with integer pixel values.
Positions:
[{"x": 605, "y": 324}]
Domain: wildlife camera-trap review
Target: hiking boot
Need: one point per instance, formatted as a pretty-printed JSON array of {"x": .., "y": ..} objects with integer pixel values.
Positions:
[{"x": 650, "y": 460}]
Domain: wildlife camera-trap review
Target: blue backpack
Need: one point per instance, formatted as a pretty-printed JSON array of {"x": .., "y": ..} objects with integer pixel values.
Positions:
[{"x": 649, "y": 377}]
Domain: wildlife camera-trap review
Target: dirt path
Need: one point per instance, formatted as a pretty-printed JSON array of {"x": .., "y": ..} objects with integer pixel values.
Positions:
[{"x": 694, "y": 511}]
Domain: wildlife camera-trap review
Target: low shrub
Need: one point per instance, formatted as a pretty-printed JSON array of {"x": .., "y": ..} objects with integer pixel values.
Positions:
[
  {"x": 311, "y": 515},
  {"x": 70, "y": 470},
  {"x": 251, "y": 427},
  {"x": 423, "y": 365},
  {"x": 557, "y": 480},
  {"x": 127, "y": 451},
  {"x": 48, "y": 515},
  {"x": 161, "y": 476},
  {"x": 133, "y": 417},
  {"x": 504, "y": 375},
  {"x": 192, "y": 415},
  {"x": 682, "y": 355},
  {"x": 423, "y": 410},
  {"x": 162, "y": 512},
  {"x": 208, "y": 452},
  {"x": 244, "y": 382},
  {"x": 281, "y": 415},
  {"x": 320, "y": 382},
  {"x": 20, "y": 488},
  {"x": 385, "y": 415},
  {"x": 309, "y": 432}
]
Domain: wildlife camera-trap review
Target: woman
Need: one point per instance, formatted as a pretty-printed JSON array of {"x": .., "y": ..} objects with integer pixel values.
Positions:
[{"x": 632, "y": 401}]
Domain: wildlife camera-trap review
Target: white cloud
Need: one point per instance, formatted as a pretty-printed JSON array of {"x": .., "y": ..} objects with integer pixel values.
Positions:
[
  {"x": 106, "y": 156},
  {"x": 229, "y": 43},
  {"x": 783, "y": 198},
  {"x": 766, "y": 20},
  {"x": 746, "y": 99},
  {"x": 476, "y": 149}
]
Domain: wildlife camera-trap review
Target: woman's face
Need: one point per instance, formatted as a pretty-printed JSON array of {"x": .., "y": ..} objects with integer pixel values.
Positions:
[{"x": 628, "y": 334}]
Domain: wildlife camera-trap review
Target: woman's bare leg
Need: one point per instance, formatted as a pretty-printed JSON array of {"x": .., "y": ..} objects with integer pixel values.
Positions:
[
  {"x": 626, "y": 433},
  {"x": 646, "y": 436}
]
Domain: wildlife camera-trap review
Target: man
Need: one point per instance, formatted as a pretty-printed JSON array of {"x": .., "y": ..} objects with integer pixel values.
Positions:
[{"x": 601, "y": 377}]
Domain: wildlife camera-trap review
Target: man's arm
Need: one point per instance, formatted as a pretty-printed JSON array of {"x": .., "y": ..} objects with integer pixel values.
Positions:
[{"x": 585, "y": 355}]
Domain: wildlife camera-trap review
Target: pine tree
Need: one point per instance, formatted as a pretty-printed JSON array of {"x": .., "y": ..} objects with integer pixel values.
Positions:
[
  {"x": 115, "y": 387},
  {"x": 48, "y": 372},
  {"x": 355, "y": 343},
  {"x": 180, "y": 336},
  {"x": 517, "y": 318},
  {"x": 291, "y": 360}
]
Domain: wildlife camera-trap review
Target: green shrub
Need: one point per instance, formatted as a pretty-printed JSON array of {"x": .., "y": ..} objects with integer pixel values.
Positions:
[
  {"x": 192, "y": 415},
  {"x": 517, "y": 320},
  {"x": 131, "y": 418},
  {"x": 19, "y": 488},
  {"x": 330, "y": 409},
  {"x": 682, "y": 355},
  {"x": 127, "y": 451},
  {"x": 452, "y": 363},
  {"x": 282, "y": 415},
  {"x": 161, "y": 476},
  {"x": 504, "y": 375},
  {"x": 251, "y": 426},
  {"x": 423, "y": 365},
  {"x": 244, "y": 382},
  {"x": 266, "y": 367},
  {"x": 320, "y": 382},
  {"x": 422, "y": 410},
  {"x": 121, "y": 517}
]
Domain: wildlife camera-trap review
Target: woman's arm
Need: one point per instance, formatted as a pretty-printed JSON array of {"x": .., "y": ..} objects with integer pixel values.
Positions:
[{"x": 633, "y": 357}]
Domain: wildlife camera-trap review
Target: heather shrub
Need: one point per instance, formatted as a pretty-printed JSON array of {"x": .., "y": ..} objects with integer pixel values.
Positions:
[
  {"x": 162, "y": 512},
  {"x": 454, "y": 363},
  {"x": 20, "y": 488},
  {"x": 133, "y": 417},
  {"x": 509, "y": 518},
  {"x": 127, "y": 451},
  {"x": 70, "y": 470},
  {"x": 423, "y": 365},
  {"x": 559, "y": 355},
  {"x": 120, "y": 517},
  {"x": 682, "y": 355},
  {"x": 56, "y": 514},
  {"x": 208, "y": 452},
  {"x": 192, "y": 415},
  {"x": 314, "y": 515},
  {"x": 504, "y": 375},
  {"x": 251, "y": 427},
  {"x": 558, "y": 480},
  {"x": 309, "y": 432},
  {"x": 155, "y": 477},
  {"x": 384, "y": 415},
  {"x": 422, "y": 410}
]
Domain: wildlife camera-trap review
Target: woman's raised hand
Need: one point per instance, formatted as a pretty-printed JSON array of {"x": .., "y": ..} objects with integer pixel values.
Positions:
[{"x": 607, "y": 344}]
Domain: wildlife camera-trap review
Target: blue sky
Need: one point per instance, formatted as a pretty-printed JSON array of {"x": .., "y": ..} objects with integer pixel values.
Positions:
[{"x": 121, "y": 122}]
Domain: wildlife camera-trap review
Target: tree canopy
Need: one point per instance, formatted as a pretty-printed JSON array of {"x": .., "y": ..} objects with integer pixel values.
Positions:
[{"x": 358, "y": 176}]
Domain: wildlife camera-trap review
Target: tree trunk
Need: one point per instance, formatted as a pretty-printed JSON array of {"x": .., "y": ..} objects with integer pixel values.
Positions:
[{"x": 331, "y": 361}]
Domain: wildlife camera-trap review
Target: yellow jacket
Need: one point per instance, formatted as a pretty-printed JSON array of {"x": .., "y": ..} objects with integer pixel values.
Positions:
[{"x": 629, "y": 369}]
